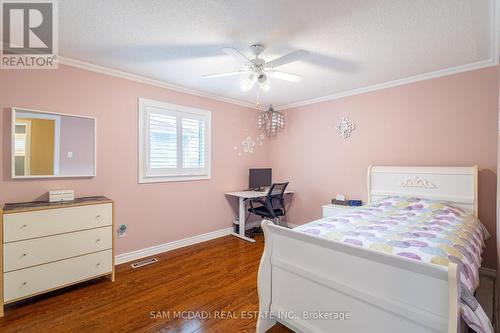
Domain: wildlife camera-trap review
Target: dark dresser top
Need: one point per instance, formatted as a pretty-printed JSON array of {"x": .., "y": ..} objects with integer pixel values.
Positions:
[{"x": 40, "y": 205}]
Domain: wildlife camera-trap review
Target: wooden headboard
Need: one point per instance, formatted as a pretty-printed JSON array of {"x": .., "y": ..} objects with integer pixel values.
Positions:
[{"x": 457, "y": 185}]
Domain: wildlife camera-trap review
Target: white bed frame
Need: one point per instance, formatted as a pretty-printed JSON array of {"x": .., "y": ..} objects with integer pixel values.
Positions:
[{"x": 382, "y": 293}]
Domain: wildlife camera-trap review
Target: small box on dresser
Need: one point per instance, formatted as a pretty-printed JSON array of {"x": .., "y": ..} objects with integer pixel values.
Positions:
[
  {"x": 47, "y": 246},
  {"x": 61, "y": 195}
]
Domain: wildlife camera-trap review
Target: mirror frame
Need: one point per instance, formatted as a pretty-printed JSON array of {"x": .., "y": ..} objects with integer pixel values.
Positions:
[{"x": 14, "y": 110}]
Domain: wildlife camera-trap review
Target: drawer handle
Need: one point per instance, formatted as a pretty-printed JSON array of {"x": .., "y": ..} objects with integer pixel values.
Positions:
[
  {"x": 98, "y": 216},
  {"x": 98, "y": 264},
  {"x": 24, "y": 255},
  {"x": 24, "y": 283},
  {"x": 23, "y": 226},
  {"x": 97, "y": 240}
]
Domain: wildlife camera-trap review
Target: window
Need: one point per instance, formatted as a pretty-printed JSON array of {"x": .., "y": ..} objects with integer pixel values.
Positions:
[{"x": 174, "y": 142}]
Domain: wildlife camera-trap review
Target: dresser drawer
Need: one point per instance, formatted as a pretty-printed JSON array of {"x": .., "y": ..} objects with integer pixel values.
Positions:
[
  {"x": 34, "y": 280},
  {"x": 25, "y": 225},
  {"x": 26, "y": 253}
]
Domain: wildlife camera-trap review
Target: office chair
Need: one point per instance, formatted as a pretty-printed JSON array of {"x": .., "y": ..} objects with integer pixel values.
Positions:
[{"x": 273, "y": 206}]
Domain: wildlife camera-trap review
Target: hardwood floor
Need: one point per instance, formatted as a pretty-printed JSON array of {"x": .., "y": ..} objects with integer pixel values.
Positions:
[{"x": 208, "y": 287}]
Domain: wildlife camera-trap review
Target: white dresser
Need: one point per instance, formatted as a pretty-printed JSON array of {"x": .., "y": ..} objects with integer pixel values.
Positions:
[{"x": 46, "y": 246}]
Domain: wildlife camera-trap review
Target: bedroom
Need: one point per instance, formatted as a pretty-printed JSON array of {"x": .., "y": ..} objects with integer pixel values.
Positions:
[{"x": 161, "y": 112}]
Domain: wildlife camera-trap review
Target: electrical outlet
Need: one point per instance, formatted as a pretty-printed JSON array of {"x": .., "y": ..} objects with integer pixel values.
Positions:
[
  {"x": 70, "y": 154},
  {"x": 122, "y": 230}
]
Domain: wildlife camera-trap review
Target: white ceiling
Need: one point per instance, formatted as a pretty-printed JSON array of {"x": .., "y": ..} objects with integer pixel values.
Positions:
[{"x": 352, "y": 43}]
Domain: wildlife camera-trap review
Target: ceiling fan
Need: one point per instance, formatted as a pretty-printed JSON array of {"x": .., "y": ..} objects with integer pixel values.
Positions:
[{"x": 258, "y": 70}]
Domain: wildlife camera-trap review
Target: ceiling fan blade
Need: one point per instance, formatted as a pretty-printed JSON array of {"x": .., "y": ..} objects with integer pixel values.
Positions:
[
  {"x": 209, "y": 76},
  {"x": 291, "y": 57},
  {"x": 237, "y": 55},
  {"x": 286, "y": 76}
]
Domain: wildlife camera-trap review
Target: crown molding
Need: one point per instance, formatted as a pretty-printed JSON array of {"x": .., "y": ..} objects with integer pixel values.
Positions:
[
  {"x": 142, "y": 79},
  {"x": 380, "y": 86},
  {"x": 391, "y": 84},
  {"x": 492, "y": 61}
]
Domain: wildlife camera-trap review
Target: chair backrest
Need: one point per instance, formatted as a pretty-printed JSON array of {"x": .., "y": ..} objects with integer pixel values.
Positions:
[{"x": 275, "y": 196}]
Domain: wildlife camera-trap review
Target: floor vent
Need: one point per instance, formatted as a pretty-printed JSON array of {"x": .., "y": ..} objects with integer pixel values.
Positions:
[{"x": 144, "y": 262}]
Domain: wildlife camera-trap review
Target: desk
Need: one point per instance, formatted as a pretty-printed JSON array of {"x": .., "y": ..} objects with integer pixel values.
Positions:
[{"x": 243, "y": 196}]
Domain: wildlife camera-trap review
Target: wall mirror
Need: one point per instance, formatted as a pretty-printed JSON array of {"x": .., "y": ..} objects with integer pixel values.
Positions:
[{"x": 48, "y": 144}]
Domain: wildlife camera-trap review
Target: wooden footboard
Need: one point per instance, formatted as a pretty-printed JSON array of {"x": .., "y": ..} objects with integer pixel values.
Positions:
[{"x": 312, "y": 284}]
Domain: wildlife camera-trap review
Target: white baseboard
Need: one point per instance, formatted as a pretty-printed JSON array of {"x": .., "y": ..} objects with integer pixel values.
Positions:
[{"x": 150, "y": 251}]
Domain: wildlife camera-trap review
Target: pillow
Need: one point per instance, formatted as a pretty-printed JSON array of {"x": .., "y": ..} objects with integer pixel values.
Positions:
[{"x": 414, "y": 203}]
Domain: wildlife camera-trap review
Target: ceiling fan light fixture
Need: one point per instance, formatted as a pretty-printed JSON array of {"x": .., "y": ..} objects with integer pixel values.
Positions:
[
  {"x": 259, "y": 70},
  {"x": 262, "y": 78}
]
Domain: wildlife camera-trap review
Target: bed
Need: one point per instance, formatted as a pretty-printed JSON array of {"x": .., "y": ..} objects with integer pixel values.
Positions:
[{"x": 316, "y": 279}]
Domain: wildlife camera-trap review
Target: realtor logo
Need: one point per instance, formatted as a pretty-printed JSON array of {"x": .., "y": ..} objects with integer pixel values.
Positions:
[{"x": 29, "y": 34}]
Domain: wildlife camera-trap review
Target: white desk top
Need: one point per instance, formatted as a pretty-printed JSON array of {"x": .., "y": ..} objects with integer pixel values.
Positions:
[{"x": 251, "y": 194}]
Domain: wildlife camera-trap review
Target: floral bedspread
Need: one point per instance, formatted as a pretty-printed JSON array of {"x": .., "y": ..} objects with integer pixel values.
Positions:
[{"x": 425, "y": 230}]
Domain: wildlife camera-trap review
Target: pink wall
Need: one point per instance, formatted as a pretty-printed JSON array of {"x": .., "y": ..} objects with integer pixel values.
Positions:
[
  {"x": 77, "y": 136},
  {"x": 155, "y": 213},
  {"x": 444, "y": 121}
]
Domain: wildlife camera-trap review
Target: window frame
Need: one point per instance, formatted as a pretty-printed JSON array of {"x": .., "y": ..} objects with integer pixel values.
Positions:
[{"x": 180, "y": 174}]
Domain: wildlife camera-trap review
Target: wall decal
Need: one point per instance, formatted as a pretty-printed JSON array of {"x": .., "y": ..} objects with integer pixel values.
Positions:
[
  {"x": 418, "y": 183},
  {"x": 260, "y": 139},
  {"x": 248, "y": 145},
  {"x": 345, "y": 127}
]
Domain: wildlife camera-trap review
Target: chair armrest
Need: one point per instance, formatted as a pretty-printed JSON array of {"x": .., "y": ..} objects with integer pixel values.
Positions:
[
  {"x": 262, "y": 202},
  {"x": 256, "y": 200}
]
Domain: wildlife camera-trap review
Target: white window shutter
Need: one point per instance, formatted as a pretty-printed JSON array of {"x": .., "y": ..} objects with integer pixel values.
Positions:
[
  {"x": 174, "y": 142},
  {"x": 193, "y": 143},
  {"x": 162, "y": 141}
]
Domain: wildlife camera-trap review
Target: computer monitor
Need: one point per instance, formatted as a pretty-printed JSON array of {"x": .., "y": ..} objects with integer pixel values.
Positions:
[{"x": 259, "y": 178}]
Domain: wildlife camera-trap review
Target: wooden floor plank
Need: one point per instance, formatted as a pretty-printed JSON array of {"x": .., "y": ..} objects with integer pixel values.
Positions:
[
  {"x": 217, "y": 278},
  {"x": 208, "y": 287}
]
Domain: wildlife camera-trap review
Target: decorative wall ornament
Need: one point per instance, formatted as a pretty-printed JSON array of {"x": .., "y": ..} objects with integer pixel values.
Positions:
[
  {"x": 418, "y": 183},
  {"x": 260, "y": 139},
  {"x": 248, "y": 145},
  {"x": 345, "y": 127},
  {"x": 271, "y": 121}
]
